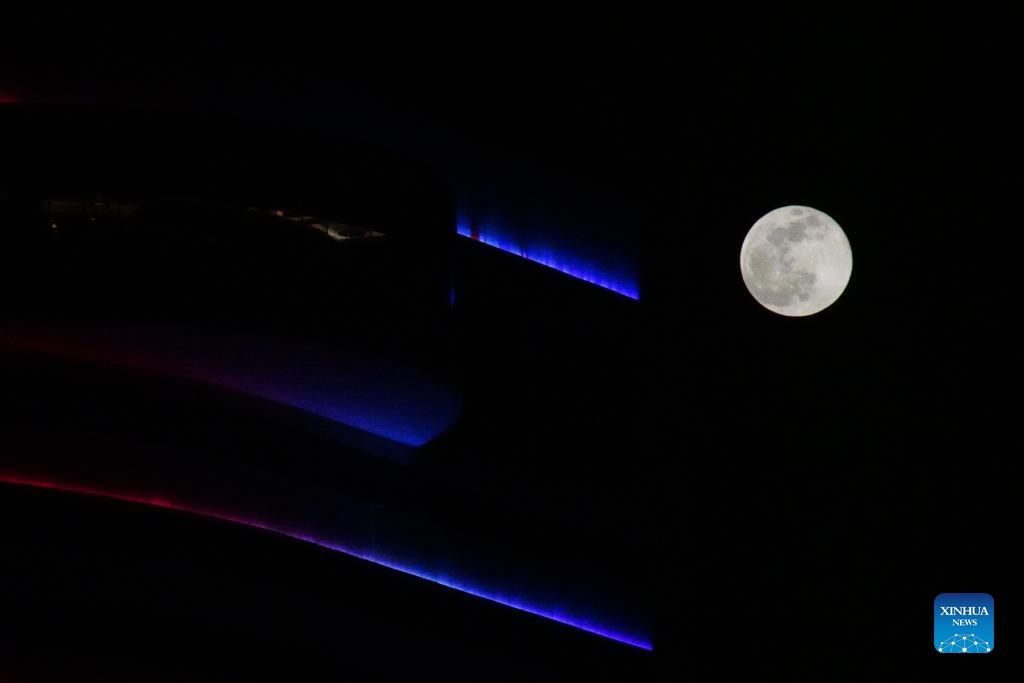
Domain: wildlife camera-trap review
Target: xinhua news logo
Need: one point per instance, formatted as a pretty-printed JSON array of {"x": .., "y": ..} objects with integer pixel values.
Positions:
[{"x": 964, "y": 623}]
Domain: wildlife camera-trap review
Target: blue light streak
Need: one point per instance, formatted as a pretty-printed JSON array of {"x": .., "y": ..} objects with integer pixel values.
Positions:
[
  {"x": 561, "y": 616},
  {"x": 356, "y": 390},
  {"x": 554, "y": 260}
]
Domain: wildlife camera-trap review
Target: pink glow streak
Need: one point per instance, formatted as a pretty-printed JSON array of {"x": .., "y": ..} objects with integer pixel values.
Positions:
[{"x": 558, "y": 615}]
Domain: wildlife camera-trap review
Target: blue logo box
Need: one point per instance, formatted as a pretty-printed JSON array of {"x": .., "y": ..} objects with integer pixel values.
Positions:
[{"x": 964, "y": 623}]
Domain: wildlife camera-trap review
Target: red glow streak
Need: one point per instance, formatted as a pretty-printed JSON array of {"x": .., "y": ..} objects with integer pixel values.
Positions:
[
  {"x": 9, "y": 98},
  {"x": 366, "y": 394},
  {"x": 153, "y": 501},
  {"x": 641, "y": 642}
]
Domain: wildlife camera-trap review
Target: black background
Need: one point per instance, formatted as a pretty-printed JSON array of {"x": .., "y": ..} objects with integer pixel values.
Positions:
[{"x": 795, "y": 492}]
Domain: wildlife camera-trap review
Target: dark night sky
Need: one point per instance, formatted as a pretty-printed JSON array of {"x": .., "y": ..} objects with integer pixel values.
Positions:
[{"x": 799, "y": 466}]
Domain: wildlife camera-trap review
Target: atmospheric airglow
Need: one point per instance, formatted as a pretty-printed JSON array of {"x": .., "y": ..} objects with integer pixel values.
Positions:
[
  {"x": 550, "y": 259},
  {"x": 559, "y": 616},
  {"x": 366, "y": 393}
]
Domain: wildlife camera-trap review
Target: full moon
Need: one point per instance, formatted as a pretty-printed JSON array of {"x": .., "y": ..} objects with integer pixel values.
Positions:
[{"x": 796, "y": 261}]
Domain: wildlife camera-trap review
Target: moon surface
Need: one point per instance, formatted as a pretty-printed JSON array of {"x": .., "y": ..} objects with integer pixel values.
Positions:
[{"x": 796, "y": 261}]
